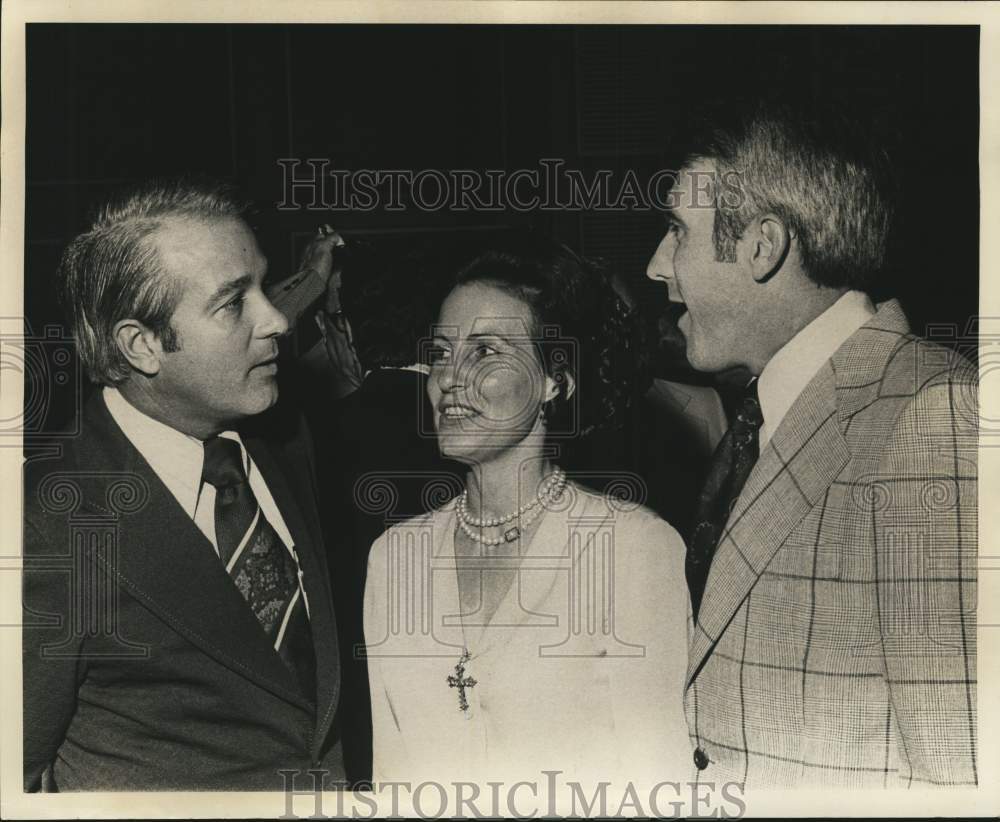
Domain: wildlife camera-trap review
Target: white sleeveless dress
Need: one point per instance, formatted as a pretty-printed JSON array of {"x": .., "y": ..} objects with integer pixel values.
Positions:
[{"x": 581, "y": 669}]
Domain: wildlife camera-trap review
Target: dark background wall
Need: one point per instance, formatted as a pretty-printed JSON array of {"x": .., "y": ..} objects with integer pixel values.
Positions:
[{"x": 110, "y": 104}]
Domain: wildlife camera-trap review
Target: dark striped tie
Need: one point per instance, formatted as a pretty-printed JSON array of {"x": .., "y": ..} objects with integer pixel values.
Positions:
[
  {"x": 258, "y": 561},
  {"x": 732, "y": 462}
]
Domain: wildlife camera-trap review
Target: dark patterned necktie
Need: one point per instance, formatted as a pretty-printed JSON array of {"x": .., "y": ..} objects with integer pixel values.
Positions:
[
  {"x": 258, "y": 561},
  {"x": 731, "y": 464}
]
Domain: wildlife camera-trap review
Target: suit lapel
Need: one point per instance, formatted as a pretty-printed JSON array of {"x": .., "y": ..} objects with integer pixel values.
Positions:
[
  {"x": 308, "y": 548},
  {"x": 166, "y": 563},
  {"x": 802, "y": 458}
]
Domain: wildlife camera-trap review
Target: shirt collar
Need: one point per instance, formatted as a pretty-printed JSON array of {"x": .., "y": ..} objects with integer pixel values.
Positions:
[
  {"x": 176, "y": 458},
  {"x": 789, "y": 371}
]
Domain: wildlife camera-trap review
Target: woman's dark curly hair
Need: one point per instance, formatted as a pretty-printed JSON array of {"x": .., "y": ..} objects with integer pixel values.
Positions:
[{"x": 581, "y": 325}]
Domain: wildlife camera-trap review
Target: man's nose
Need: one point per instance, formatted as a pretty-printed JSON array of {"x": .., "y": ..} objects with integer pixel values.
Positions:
[
  {"x": 661, "y": 265},
  {"x": 272, "y": 322}
]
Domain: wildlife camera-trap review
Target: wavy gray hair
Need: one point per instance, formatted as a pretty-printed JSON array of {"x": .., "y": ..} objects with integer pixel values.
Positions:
[
  {"x": 819, "y": 173},
  {"x": 113, "y": 272}
]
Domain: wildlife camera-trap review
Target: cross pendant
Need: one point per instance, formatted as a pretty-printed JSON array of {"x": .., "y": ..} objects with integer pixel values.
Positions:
[{"x": 461, "y": 681}]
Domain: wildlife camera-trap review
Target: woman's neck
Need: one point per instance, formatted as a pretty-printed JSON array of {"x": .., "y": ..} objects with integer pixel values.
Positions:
[{"x": 502, "y": 485}]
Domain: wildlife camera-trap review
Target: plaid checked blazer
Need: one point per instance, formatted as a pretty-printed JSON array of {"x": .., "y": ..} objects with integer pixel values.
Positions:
[{"x": 835, "y": 645}]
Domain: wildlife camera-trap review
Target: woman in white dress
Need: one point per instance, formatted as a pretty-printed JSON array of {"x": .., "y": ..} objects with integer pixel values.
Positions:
[{"x": 529, "y": 624}]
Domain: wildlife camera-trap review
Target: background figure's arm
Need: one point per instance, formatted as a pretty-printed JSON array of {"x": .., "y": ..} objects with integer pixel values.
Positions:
[
  {"x": 333, "y": 357},
  {"x": 925, "y": 522},
  {"x": 315, "y": 276},
  {"x": 346, "y": 370}
]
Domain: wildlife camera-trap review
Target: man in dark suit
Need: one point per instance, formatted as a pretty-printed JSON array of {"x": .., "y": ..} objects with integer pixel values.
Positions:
[
  {"x": 179, "y": 628},
  {"x": 833, "y": 564}
]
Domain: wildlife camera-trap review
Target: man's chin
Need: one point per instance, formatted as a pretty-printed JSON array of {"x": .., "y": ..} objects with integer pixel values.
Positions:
[
  {"x": 695, "y": 355},
  {"x": 263, "y": 399},
  {"x": 705, "y": 361},
  {"x": 722, "y": 367}
]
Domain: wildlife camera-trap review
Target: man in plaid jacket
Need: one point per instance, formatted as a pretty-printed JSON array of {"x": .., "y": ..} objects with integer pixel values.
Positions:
[{"x": 835, "y": 641}]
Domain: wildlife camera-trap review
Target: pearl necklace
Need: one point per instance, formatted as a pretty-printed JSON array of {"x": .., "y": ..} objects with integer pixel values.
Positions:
[{"x": 551, "y": 489}]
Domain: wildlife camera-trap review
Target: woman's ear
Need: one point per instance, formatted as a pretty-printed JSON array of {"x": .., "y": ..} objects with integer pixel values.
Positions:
[{"x": 560, "y": 386}]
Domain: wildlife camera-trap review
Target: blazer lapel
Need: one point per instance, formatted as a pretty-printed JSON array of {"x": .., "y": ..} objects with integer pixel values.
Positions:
[
  {"x": 802, "y": 459},
  {"x": 308, "y": 547},
  {"x": 799, "y": 463},
  {"x": 167, "y": 564}
]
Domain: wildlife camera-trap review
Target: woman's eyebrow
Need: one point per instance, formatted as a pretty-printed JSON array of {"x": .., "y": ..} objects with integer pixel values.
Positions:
[{"x": 496, "y": 335}]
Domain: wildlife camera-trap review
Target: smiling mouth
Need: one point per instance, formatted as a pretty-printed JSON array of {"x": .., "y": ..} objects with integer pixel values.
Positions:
[{"x": 457, "y": 412}]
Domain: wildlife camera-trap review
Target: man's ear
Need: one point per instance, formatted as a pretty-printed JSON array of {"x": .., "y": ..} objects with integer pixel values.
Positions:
[
  {"x": 769, "y": 241},
  {"x": 139, "y": 345}
]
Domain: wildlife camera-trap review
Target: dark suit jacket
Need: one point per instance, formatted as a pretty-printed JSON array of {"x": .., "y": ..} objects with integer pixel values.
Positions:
[
  {"x": 379, "y": 464},
  {"x": 144, "y": 668}
]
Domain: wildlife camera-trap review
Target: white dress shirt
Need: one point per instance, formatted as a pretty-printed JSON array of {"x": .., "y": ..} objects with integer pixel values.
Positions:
[
  {"x": 177, "y": 459},
  {"x": 790, "y": 370}
]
